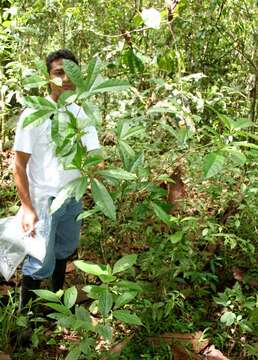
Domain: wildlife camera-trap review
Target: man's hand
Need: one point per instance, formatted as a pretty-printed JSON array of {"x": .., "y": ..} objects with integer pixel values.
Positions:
[{"x": 29, "y": 220}]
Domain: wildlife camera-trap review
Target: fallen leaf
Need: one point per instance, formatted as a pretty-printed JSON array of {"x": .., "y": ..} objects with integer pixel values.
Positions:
[
  {"x": 69, "y": 267},
  {"x": 211, "y": 353}
]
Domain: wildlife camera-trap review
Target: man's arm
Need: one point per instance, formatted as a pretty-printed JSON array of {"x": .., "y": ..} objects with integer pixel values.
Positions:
[{"x": 29, "y": 217}]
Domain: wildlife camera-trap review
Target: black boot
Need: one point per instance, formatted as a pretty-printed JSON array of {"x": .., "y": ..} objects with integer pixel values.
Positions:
[
  {"x": 59, "y": 275},
  {"x": 27, "y": 284}
]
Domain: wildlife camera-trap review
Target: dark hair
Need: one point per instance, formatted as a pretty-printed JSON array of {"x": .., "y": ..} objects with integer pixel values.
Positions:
[{"x": 60, "y": 54}]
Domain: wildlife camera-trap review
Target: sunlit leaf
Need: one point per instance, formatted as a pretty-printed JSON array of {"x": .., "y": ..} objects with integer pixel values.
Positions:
[
  {"x": 124, "y": 263},
  {"x": 103, "y": 199},
  {"x": 90, "y": 268},
  {"x": 70, "y": 296},
  {"x": 213, "y": 164},
  {"x": 127, "y": 317}
]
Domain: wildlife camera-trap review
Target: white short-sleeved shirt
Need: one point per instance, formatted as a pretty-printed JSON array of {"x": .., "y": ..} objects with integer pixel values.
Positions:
[{"x": 46, "y": 175}]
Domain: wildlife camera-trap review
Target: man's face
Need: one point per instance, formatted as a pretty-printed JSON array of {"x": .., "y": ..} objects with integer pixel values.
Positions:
[{"x": 57, "y": 71}]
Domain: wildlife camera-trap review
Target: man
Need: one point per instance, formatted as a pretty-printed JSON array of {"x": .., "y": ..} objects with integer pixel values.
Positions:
[{"x": 39, "y": 175}]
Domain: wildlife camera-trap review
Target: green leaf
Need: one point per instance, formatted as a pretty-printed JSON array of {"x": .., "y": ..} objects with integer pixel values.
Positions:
[
  {"x": 213, "y": 164},
  {"x": 228, "y": 318},
  {"x": 105, "y": 331},
  {"x": 126, "y": 285},
  {"x": 60, "y": 308},
  {"x": 37, "y": 102},
  {"x": 125, "y": 298},
  {"x": 127, "y": 317},
  {"x": 92, "y": 72},
  {"x": 237, "y": 156},
  {"x": 242, "y": 124},
  {"x": 103, "y": 199},
  {"x": 34, "y": 81},
  {"x": 38, "y": 115},
  {"x": 132, "y": 61},
  {"x": 107, "y": 278},
  {"x": 176, "y": 237},
  {"x": 91, "y": 268},
  {"x": 67, "y": 97},
  {"x": 124, "y": 263},
  {"x": 136, "y": 162},
  {"x": 70, "y": 297},
  {"x": 47, "y": 295},
  {"x": 105, "y": 302},
  {"x": 81, "y": 187},
  {"x": 119, "y": 174},
  {"x": 86, "y": 345},
  {"x": 74, "y": 354},
  {"x": 72, "y": 188},
  {"x": 92, "y": 112},
  {"x": 133, "y": 131},
  {"x": 82, "y": 314},
  {"x": 94, "y": 291},
  {"x": 88, "y": 213},
  {"x": 111, "y": 85},
  {"x": 127, "y": 154},
  {"x": 74, "y": 73},
  {"x": 162, "y": 215}
]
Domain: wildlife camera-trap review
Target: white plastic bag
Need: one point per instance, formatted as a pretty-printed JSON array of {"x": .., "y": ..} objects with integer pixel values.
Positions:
[{"x": 15, "y": 244}]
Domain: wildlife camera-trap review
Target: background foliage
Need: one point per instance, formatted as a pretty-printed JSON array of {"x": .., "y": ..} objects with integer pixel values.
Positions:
[{"x": 186, "y": 130}]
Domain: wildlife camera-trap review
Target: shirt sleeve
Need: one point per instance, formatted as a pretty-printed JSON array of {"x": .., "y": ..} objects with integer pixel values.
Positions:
[
  {"x": 25, "y": 138},
  {"x": 90, "y": 138}
]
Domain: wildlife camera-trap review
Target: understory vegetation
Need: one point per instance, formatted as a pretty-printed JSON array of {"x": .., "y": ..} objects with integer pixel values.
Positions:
[{"x": 168, "y": 261}]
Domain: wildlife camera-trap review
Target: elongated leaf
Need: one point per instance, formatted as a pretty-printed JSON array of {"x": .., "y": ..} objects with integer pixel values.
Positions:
[
  {"x": 37, "y": 102},
  {"x": 213, "y": 164},
  {"x": 127, "y": 154},
  {"x": 38, "y": 115},
  {"x": 92, "y": 112},
  {"x": 34, "y": 81},
  {"x": 119, "y": 174},
  {"x": 88, "y": 213},
  {"x": 60, "y": 308},
  {"x": 242, "y": 124},
  {"x": 129, "y": 285},
  {"x": 47, "y": 295},
  {"x": 136, "y": 162},
  {"x": 103, "y": 199},
  {"x": 127, "y": 317},
  {"x": 81, "y": 187},
  {"x": 74, "y": 73},
  {"x": 125, "y": 298},
  {"x": 65, "y": 193},
  {"x": 162, "y": 215},
  {"x": 93, "y": 71},
  {"x": 90, "y": 268},
  {"x": 124, "y": 263},
  {"x": 105, "y": 303},
  {"x": 70, "y": 297},
  {"x": 111, "y": 85},
  {"x": 133, "y": 131}
]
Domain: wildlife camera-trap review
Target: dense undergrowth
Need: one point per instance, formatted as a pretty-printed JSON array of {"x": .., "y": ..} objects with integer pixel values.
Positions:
[{"x": 181, "y": 150}]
